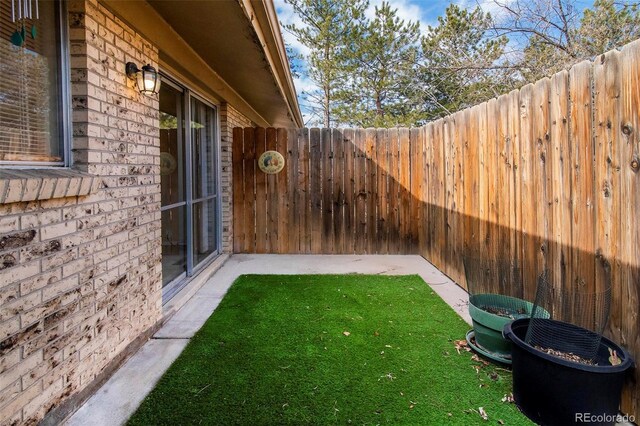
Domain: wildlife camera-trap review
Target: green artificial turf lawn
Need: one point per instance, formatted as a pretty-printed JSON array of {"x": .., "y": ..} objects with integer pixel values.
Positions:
[{"x": 329, "y": 349}]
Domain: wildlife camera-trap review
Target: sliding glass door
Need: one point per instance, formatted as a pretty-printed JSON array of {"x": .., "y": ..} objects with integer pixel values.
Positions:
[
  {"x": 190, "y": 186},
  {"x": 205, "y": 186},
  {"x": 173, "y": 184}
]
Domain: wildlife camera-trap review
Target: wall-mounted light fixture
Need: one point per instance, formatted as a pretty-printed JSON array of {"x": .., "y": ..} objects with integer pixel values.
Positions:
[{"x": 147, "y": 78}]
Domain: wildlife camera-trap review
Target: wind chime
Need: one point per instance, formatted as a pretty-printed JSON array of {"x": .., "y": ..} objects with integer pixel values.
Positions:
[{"x": 21, "y": 10}]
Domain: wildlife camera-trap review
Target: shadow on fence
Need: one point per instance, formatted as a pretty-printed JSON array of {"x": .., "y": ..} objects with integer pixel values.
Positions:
[{"x": 390, "y": 192}]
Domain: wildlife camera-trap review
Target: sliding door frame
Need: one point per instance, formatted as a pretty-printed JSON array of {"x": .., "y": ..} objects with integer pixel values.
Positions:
[{"x": 173, "y": 287}]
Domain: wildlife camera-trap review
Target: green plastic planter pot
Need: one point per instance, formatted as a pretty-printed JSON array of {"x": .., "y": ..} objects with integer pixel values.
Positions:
[{"x": 488, "y": 326}]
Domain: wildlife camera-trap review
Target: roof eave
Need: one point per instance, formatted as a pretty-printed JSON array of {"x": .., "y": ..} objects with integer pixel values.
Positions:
[{"x": 264, "y": 19}]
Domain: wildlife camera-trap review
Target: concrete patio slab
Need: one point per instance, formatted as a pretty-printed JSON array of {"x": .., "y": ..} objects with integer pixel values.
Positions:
[
  {"x": 114, "y": 403},
  {"x": 189, "y": 319},
  {"x": 124, "y": 391}
]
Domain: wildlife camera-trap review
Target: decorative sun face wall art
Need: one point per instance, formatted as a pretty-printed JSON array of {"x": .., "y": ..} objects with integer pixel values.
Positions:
[{"x": 271, "y": 162}]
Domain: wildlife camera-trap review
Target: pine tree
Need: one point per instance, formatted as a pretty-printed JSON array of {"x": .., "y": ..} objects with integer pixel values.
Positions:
[
  {"x": 328, "y": 28},
  {"x": 607, "y": 26},
  {"x": 382, "y": 66},
  {"x": 461, "y": 65}
]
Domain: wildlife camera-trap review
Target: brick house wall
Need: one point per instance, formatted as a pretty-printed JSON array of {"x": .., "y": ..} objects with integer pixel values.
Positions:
[
  {"x": 80, "y": 248},
  {"x": 80, "y": 276},
  {"x": 229, "y": 118}
]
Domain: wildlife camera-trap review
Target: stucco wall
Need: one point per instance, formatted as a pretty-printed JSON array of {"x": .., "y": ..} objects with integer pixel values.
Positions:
[{"x": 86, "y": 277}]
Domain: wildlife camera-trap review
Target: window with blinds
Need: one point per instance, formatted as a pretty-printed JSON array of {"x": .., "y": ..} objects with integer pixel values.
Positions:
[{"x": 30, "y": 96}]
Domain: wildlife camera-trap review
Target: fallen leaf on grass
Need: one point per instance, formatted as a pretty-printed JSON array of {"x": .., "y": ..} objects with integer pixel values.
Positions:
[
  {"x": 346, "y": 333},
  {"x": 461, "y": 344},
  {"x": 375, "y": 333},
  {"x": 483, "y": 413},
  {"x": 476, "y": 358},
  {"x": 389, "y": 376},
  {"x": 198, "y": 393},
  {"x": 508, "y": 398},
  {"x": 479, "y": 411}
]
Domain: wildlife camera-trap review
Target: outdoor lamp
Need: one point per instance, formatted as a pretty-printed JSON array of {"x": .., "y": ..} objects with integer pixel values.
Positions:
[{"x": 147, "y": 78}]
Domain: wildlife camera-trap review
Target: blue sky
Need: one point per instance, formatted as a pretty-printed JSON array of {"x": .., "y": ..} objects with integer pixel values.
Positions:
[{"x": 424, "y": 11}]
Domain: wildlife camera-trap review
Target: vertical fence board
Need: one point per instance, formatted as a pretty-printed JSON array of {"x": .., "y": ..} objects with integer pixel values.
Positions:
[
  {"x": 250, "y": 190},
  {"x": 439, "y": 193},
  {"x": 502, "y": 197},
  {"x": 349, "y": 198},
  {"x": 607, "y": 177},
  {"x": 629, "y": 231},
  {"x": 315, "y": 189},
  {"x": 541, "y": 173},
  {"x": 515, "y": 219},
  {"x": 327, "y": 236},
  {"x": 528, "y": 195},
  {"x": 273, "y": 197},
  {"x": 283, "y": 198},
  {"x": 382, "y": 163},
  {"x": 491, "y": 161},
  {"x": 416, "y": 170},
  {"x": 403, "y": 189},
  {"x": 338, "y": 190},
  {"x": 427, "y": 250},
  {"x": 371, "y": 183},
  {"x": 559, "y": 258},
  {"x": 458, "y": 132},
  {"x": 471, "y": 196},
  {"x": 423, "y": 236},
  {"x": 292, "y": 217},
  {"x": 583, "y": 176},
  {"x": 449, "y": 204},
  {"x": 393, "y": 192},
  {"x": 360, "y": 193},
  {"x": 261, "y": 194},
  {"x": 304, "y": 170},
  {"x": 483, "y": 184}
]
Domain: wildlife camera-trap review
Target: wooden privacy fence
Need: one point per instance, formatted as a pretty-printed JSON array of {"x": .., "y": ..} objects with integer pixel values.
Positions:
[
  {"x": 341, "y": 191},
  {"x": 547, "y": 177}
]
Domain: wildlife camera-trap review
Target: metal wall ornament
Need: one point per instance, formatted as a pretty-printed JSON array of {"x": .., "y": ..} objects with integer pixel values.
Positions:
[
  {"x": 271, "y": 162},
  {"x": 21, "y": 10}
]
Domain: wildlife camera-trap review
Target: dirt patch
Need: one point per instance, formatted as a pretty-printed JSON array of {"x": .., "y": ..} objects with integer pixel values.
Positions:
[
  {"x": 567, "y": 356},
  {"x": 503, "y": 312}
]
